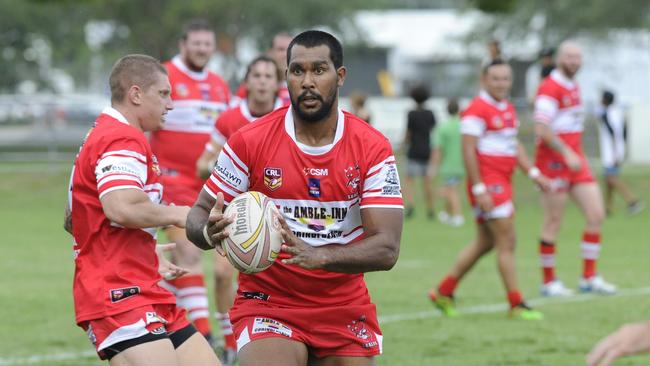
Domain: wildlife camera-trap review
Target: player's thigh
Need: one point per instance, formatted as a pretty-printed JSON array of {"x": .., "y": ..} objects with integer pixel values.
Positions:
[
  {"x": 156, "y": 353},
  {"x": 273, "y": 351},
  {"x": 553, "y": 204},
  {"x": 503, "y": 232},
  {"x": 185, "y": 253},
  {"x": 196, "y": 351},
  {"x": 484, "y": 237},
  {"x": 589, "y": 199},
  {"x": 222, "y": 268},
  {"x": 342, "y": 361}
]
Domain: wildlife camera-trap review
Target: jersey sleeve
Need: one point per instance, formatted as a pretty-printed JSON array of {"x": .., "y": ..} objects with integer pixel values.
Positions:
[
  {"x": 472, "y": 122},
  {"x": 381, "y": 185},
  {"x": 122, "y": 165},
  {"x": 230, "y": 175},
  {"x": 436, "y": 139},
  {"x": 546, "y": 104},
  {"x": 218, "y": 134}
]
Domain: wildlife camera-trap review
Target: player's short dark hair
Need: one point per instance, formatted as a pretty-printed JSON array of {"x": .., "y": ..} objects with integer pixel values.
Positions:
[
  {"x": 420, "y": 94},
  {"x": 608, "y": 97},
  {"x": 452, "y": 106},
  {"x": 315, "y": 38},
  {"x": 140, "y": 70},
  {"x": 195, "y": 25},
  {"x": 494, "y": 62},
  {"x": 263, "y": 58}
]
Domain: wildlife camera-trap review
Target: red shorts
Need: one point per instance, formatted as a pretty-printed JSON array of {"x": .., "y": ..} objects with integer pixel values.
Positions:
[
  {"x": 498, "y": 182},
  {"x": 551, "y": 164},
  {"x": 135, "y": 323},
  {"x": 327, "y": 331},
  {"x": 180, "y": 195}
]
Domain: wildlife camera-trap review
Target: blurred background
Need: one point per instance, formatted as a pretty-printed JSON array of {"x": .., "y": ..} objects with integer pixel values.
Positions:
[{"x": 55, "y": 55}]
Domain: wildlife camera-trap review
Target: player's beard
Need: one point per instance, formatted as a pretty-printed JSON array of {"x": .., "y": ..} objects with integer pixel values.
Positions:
[
  {"x": 189, "y": 62},
  {"x": 320, "y": 114}
]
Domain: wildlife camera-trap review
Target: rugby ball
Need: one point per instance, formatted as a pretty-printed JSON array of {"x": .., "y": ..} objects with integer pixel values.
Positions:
[{"x": 254, "y": 237}]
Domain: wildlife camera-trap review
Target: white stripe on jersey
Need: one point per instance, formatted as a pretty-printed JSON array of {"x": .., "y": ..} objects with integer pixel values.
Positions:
[
  {"x": 110, "y": 178},
  {"x": 380, "y": 165},
  {"x": 545, "y": 109},
  {"x": 224, "y": 187},
  {"x": 126, "y": 153},
  {"x": 320, "y": 223},
  {"x": 382, "y": 206},
  {"x": 501, "y": 142},
  {"x": 228, "y": 172},
  {"x": 385, "y": 182},
  {"x": 123, "y": 164},
  {"x": 117, "y": 188},
  {"x": 236, "y": 158},
  {"x": 472, "y": 125},
  {"x": 194, "y": 116}
]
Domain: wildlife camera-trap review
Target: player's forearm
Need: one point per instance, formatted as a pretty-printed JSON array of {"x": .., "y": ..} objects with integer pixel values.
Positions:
[
  {"x": 67, "y": 220},
  {"x": 435, "y": 157},
  {"x": 471, "y": 163},
  {"x": 377, "y": 252},
  {"x": 197, "y": 219},
  {"x": 145, "y": 215},
  {"x": 544, "y": 132}
]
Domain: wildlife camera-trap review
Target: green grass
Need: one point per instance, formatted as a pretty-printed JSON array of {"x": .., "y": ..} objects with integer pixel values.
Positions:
[{"x": 38, "y": 317}]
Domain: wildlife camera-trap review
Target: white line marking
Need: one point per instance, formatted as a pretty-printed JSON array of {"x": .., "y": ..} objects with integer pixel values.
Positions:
[
  {"x": 495, "y": 308},
  {"x": 386, "y": 319}
]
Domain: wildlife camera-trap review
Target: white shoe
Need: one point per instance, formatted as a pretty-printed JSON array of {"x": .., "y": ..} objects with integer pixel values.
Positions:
[
  {"x": 598, "y": 285},
  {"x": 457, "y": 221},
  {"x": 555, "y": 288},
  {"x": 443, "y": 217}
]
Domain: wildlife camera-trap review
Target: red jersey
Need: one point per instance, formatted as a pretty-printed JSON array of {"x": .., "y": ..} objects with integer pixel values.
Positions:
[
  {"x": 495, "y": 125},
  {"x": 234, "y": 119},
  {"x": 319, "y": 190},
  {"x": 116, "y": 269},
  {"x": 198, "y": 99},
  {"x": 242, "y": 93}
]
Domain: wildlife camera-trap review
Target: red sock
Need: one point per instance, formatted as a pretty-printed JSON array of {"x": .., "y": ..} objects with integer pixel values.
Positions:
[
  {"x": 514, "y": 298},
  {"x": 547, "y": 256},
  {"x": 447, "y": 286},
  {"x": 226, "y": 330},
  {"x": 590, "y": 250},
  {"x": 192, "y": 296}
]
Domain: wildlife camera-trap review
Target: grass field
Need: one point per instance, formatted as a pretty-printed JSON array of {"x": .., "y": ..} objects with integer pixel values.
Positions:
[{"x": 38, "y": 322}]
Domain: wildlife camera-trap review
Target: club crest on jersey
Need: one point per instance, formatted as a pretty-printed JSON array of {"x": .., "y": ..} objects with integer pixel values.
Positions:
[
  {"x": 497, "y": 121},
  {"x": 154, "y": 165},
  {"x": 272, "y": 178},
  {"x": 566, "y": 100},
  {"x": 353, "y": 175},
  {"x": 182, "y": 90},
  {"x": 205, "y": 91},
  {"x": 314, "y": 187},
  {"x": 120, "y": 294}
]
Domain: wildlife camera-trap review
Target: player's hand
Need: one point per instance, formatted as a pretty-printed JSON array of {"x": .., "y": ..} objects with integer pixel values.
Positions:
[
  {"x": 167, "y": 269},
  {"x": 572, "y": 160},
  {"x": 484, "y": 202},
  {"x": 180, "y": 213},
  {"x": 543, "y": 182},
  {"x": 217, "y": 223},
  {"x": 303, "y": 254},
  {"x": 629, "y": 339}
]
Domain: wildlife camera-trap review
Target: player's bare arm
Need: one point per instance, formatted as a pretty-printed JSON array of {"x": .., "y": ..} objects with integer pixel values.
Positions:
[
  {"x": 378, "y": 251},
  {"x": 206, "y": 161},
  {"x": 479, "y": 190},
  {"x": 544, "y": 132},
  {"x": 434, "y": 161},
  {"x": 67, "y": 219},
  {"x": 206, "y": 222},
  {"x": 132, "y": 208},
  {"x": 529, "y": 169}
]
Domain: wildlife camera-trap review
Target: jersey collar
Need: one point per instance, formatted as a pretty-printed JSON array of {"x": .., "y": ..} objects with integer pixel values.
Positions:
[
  {"x": 198, "y": 76},
  {"x": 115, "y": 114},
  {"x": 500, "y": 105},
  {"x": 562, "y": 79},
  {"x": 290, "y": 127}
]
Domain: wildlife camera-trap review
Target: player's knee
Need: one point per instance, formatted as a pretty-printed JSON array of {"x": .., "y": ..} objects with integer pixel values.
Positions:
[{"x": 595, "y": 218}]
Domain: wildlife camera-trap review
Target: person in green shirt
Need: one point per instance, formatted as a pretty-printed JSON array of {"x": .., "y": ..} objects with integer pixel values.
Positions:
[{"x": 447, "y": 162}]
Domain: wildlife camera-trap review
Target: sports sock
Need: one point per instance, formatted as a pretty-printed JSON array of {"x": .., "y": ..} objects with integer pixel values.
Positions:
[
  {"x": 547, "y": 257},
  {"x": 590, "y": 250},
  {"x": 226, "y": 330},
  {"x": 192, "y": 296},
  {"x": 447, "y": 286},
  {"x": 515, "y": 298}
]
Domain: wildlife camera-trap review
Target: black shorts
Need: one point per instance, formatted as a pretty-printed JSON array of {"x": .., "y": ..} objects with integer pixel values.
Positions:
[{"x": 178, "y": 337}]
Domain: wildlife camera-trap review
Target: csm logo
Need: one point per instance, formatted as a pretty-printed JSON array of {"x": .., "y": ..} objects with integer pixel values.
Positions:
[{"x": 316, "y": 172}]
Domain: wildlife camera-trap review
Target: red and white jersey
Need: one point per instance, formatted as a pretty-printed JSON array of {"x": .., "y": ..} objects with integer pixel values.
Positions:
[
  {"x": 116, "y": 269},
  {"x": 494, "y": 123},
  {"x": 319, "y": 190},
  {"x": 242, "y": 93},
  {"x": 233, "y": 119},
  {"x": 198, "y": 98},
  {"x": 558, "y": 104}
]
